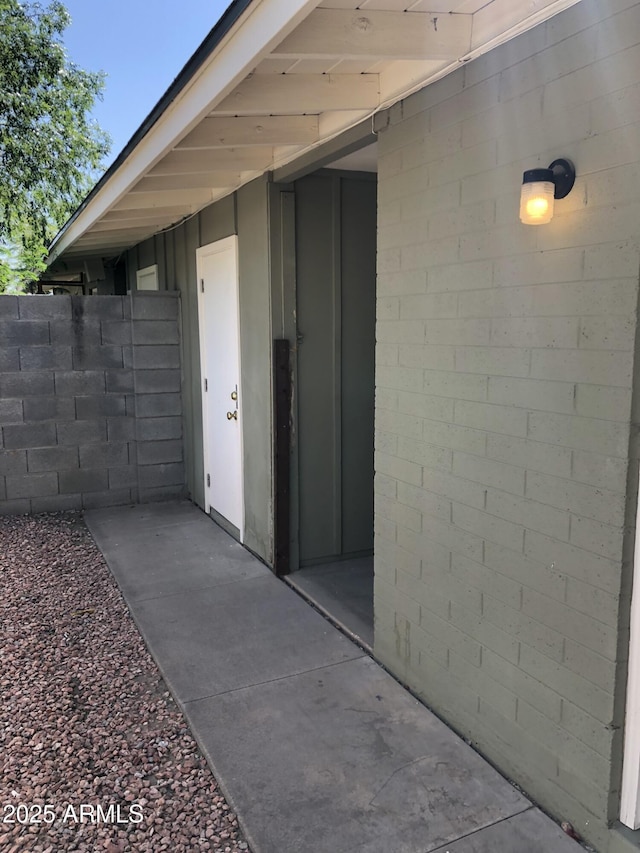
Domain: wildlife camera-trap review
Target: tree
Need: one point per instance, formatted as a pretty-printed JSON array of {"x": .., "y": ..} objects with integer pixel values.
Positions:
[{"x": 50, "y": 148}]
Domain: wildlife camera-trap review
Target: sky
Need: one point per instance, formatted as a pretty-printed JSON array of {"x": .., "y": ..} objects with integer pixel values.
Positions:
[{"x": 141, "y": 45}]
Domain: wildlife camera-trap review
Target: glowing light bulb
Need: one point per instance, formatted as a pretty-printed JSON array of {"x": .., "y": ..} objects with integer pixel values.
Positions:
[
  {"x": 536, "y": 202},
  {"x": 537, "y": 207}
]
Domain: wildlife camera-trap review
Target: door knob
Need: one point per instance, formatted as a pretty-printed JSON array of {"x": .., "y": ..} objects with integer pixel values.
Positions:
[
  {"x": 234, "y": 395},
  {"x": 232, "y": 416}
]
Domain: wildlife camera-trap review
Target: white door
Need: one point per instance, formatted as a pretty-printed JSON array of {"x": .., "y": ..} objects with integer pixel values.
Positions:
[{"x": 217, "y": 269}]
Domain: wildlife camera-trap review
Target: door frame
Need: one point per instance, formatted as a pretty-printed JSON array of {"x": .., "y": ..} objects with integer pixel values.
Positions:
[
  {"x": 227, "y": 244},
  {"x": 282, "y": 205}
]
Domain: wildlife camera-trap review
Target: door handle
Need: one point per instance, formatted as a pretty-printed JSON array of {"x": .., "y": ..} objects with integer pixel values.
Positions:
[
  {"x": 234, "y": 395},
  {"x": 232, "y": 416}
]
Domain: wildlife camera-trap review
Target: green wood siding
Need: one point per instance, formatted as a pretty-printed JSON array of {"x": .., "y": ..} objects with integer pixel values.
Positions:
[{"x": 335, "y": 257}]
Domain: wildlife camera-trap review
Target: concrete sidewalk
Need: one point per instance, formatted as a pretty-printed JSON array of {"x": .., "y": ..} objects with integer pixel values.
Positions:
[{"x": 315, "y": 746}]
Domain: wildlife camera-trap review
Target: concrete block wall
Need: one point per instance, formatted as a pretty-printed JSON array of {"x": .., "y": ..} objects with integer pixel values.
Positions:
[
  {"x": 90, "y": 401},
  {"x": 505, "y": 365}
]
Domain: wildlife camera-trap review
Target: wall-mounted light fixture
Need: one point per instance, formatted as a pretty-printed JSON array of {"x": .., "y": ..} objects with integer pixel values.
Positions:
[{"x": 539, "y": 189}]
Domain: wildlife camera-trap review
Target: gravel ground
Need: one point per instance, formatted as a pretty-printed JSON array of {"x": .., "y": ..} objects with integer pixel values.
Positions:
[{"x": 94, "y": 753}]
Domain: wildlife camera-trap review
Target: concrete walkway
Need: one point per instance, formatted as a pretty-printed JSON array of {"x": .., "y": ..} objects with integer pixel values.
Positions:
[{"x": 315, "y": 746}]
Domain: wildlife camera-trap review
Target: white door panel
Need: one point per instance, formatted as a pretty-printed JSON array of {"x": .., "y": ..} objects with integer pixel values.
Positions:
[{"x": 217, "y": 268}]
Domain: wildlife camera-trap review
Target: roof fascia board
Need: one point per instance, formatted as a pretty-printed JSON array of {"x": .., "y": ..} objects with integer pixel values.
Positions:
[{"x": 264, "y": 24}]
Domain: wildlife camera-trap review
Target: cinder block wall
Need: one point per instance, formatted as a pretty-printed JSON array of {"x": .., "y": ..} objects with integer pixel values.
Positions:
[
  {"x": 505, "y": 359},
  {"x": 90, "y": 401}
]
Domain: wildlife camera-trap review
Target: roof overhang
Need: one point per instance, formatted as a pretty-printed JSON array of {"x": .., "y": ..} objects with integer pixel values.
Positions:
[{"x": 274, "y": 81}]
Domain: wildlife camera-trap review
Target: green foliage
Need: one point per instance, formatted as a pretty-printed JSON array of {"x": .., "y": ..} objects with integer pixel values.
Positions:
[
  {"x": 20, "y": 265},
  {"x": 50, "y": 148}
]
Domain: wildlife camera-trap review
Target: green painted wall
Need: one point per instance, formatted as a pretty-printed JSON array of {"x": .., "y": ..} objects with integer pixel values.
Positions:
[
  {"x": 504, "y": 380},
  {"x": 255, "y": 365},
  {"x": 245, "y": 214},
  {"x": 358, "y": 211},
  {"x": 335, "y": 226}
]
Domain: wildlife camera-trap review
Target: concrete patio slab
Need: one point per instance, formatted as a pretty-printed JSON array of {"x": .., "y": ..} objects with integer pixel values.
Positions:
[
  {"x": 529, "y": 832},
  {"x": 135, "y": 518},
  {"x": 194, "y": 556},
  {"x": 235, "y": 635},
  {"x": 357, "y": 759},
  {"x": 316, "y": 747},
  {"x": 344, "y": 590}
]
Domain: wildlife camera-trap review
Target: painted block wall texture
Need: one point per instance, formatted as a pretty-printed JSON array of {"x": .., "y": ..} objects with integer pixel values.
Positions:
[
  {"x": 90, "y": 401},
  {"x": 505, "y": 359}
]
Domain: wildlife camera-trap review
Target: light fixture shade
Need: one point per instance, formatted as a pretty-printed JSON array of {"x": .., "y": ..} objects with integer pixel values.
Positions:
[{"x": 536, "y": 197}]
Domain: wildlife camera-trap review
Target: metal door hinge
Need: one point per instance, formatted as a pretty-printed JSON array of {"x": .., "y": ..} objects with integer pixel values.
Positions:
[
  {"x": 206, "y": 384},
  {"x": 201, "y": 285},
  {"x": 208, "y": 480}
]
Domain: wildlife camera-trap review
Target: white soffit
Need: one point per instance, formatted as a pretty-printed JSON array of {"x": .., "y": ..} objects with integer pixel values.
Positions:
[{"x": 288, "y": 76}]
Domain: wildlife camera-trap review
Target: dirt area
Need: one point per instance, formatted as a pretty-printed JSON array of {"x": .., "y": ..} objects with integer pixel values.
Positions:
[{"x": 94, "y": 753}]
